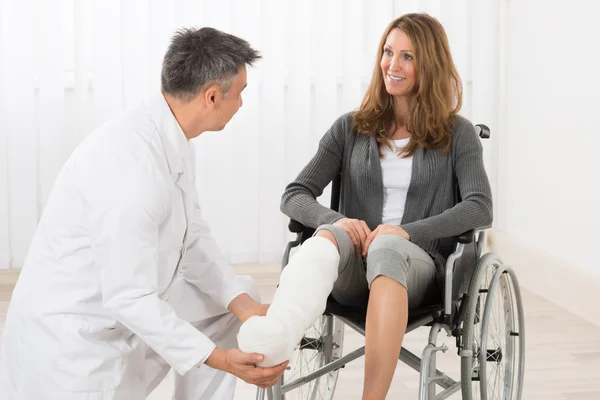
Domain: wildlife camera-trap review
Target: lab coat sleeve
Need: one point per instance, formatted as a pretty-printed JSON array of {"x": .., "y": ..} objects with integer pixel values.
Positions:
[
  {"x": 125, "y": 221},
  {"x": 206, "y": 267}
]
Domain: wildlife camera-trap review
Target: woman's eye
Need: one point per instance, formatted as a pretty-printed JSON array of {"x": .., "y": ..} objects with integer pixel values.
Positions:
[
  {"x": 407, "y": 57},
  {"x": 388, "y": 52}
]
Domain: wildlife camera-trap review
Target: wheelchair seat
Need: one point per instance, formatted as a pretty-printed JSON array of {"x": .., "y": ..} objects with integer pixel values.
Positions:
[{"x": 358, "y": 314}]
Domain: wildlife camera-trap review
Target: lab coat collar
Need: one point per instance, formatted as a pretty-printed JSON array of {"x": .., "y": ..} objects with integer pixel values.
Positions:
[{"x": 177, "y": 147}]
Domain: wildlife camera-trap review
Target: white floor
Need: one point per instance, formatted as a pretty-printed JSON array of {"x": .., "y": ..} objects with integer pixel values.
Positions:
[
  {"x": 563, "y": 354},
  {"x": 563, "y": 351}
]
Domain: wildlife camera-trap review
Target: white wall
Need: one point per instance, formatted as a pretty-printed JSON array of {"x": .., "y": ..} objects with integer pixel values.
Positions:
[
  {"x": 66, "y": 66},
  {"x": 549, "y": 145}
]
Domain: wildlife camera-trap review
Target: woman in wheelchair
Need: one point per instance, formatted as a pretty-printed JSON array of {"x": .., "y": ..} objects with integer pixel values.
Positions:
[{"x": 400, "y": 156}]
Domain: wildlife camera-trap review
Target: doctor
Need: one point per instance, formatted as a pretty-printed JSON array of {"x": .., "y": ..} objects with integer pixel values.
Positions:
[{"x": 123, "y": 280}]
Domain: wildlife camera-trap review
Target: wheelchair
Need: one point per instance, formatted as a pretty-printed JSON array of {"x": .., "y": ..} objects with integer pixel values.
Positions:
[{"x": 481, "y": 307}]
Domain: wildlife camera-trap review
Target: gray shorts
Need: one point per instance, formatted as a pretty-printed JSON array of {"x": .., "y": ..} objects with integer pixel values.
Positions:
[{"x": 391, "y": 256}]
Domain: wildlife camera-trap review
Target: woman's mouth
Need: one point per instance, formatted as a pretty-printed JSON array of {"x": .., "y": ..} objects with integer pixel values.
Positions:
[{"x": 396, "y": 78}]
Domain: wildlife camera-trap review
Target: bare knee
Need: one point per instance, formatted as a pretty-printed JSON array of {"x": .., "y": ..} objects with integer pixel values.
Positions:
[
  {"x": 324, "y": 233},
  {"x": 384, "y": 283}
]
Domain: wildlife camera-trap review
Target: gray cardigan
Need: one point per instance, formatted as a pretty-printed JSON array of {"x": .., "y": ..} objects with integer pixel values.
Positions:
[{"x": 430, "y": 216}]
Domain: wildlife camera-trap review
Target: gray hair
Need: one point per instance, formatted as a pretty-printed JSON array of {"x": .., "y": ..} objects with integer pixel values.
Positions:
[{"x": 199, "y": 57}]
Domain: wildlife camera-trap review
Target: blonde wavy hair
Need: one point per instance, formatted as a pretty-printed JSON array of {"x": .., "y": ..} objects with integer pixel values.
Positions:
[{"x": 438, "y": 90}]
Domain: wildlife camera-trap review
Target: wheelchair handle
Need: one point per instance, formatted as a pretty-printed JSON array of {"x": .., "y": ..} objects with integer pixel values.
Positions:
[{"x": 482, "y": 131}]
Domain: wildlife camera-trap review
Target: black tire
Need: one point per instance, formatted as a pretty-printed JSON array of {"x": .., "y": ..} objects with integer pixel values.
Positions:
[{"x": 494, "y": 303}]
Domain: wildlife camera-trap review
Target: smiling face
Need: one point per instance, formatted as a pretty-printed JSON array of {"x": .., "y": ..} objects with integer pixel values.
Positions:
[{"x": 398, "y": 64}]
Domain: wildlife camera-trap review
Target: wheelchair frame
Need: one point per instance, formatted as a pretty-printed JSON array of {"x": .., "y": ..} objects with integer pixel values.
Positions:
[{"x": 442, "y": 317}]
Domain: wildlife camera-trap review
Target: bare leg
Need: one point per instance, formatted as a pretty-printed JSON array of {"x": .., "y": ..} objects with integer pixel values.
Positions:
[{"x": 387, "y": 317}]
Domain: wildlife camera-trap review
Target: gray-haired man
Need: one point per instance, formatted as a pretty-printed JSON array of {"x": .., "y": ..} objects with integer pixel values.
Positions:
[{"x": 123, "y": 280}]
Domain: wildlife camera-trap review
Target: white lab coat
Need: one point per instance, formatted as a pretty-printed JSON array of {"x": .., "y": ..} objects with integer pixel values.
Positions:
[{"x": 123, "y": 278}]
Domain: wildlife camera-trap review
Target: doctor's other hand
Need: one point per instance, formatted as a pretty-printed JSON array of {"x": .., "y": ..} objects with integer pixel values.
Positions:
[
  {"x": 244, "y": 307},
  {"x": 259, "y": 310},
  {"x": 242, "y": 365},
  {"x": 262, "y": 310}
]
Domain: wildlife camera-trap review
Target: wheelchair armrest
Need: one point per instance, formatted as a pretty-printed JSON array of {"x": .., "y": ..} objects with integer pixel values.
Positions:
[
  {"x": 295, "y": 226},
  {"x": 466, "y": 237}
]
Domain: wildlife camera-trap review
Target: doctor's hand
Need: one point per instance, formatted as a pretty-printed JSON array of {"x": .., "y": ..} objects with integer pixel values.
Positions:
[{"x": 242, "y": 365}]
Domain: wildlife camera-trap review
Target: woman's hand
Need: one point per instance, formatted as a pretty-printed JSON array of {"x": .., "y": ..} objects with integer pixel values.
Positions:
[
  {"x": 383, "y": 230},
  {"x": 357, "y": 230}
]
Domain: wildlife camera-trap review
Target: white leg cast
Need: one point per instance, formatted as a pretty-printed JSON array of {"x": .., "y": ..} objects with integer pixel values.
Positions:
[{"x": 300, "y": 299}]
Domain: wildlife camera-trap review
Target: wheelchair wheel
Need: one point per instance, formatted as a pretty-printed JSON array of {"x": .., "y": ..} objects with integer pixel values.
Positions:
[
  {"x": 321, "y": 344},
  {"x": 493, "y": 345}
]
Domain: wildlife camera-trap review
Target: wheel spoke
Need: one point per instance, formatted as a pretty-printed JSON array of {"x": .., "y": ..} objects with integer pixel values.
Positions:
[{"x": 311, "y": 357}]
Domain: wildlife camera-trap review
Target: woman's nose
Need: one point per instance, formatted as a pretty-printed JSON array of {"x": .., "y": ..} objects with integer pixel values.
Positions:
[{"x": 395, "y": 64}]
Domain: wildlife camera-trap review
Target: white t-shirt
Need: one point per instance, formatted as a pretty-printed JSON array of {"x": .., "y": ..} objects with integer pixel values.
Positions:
[{"x": 396, "y": 171}]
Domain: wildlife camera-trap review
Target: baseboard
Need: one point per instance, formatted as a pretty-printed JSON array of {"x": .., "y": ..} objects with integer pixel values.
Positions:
[
  {"x": 569, "y": 286},
  {"x": 264, "y": 257}
]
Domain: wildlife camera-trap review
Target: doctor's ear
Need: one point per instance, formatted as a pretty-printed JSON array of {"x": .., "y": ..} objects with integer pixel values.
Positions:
[{"x": 211, "y": 95}]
